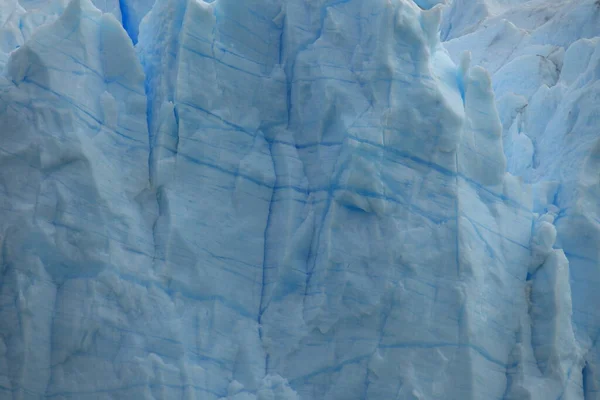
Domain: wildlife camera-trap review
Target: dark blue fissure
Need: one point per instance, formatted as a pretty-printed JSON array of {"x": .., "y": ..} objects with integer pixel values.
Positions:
[{"x": 130, "y": 26}]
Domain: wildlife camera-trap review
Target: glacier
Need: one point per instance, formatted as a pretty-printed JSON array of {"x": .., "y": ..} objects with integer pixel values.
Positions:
[{"x": 294, "y": 199}]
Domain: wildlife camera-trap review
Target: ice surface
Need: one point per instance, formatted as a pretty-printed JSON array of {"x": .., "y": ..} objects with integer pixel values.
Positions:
[{"x": 289, "y": 199}]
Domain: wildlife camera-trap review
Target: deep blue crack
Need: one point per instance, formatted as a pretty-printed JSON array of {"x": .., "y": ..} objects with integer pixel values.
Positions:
[
  {"x": 262, "y": 307},
  {"x": 130, "y": 27},
  {"x": 585, "y": 380},
  {"x": 457, "y": 214},
  {"x": 509, "y": 381}
]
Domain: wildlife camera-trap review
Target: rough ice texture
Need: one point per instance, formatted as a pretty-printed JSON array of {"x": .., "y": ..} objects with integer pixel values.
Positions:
[
  {"x": 269, "y": 199},
  {"x": 546, "y": 85}
]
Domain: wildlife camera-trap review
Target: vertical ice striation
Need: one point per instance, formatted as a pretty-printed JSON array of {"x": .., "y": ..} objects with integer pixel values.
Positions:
[{"x": 290, "y": 199}]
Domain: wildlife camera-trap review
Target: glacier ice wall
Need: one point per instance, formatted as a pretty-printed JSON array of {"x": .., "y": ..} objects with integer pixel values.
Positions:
[{"x": 268, "y": 199}]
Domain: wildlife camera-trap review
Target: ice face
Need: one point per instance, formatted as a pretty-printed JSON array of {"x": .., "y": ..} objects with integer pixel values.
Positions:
[{"x": 267, "y": 199}]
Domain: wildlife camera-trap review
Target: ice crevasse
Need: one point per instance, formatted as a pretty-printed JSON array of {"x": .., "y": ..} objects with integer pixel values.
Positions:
[{"x": 286, "y": 200}]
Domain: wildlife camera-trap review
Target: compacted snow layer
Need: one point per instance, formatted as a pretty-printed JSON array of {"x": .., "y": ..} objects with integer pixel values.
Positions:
[{"x": 269, "y": 199}]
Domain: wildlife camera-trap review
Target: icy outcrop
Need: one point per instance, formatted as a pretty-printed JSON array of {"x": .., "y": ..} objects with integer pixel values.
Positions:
[
  {"x": 74, "y": 156},
  {"x": 546, "y": 82},
  {"x": 268, "y": 199}
]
